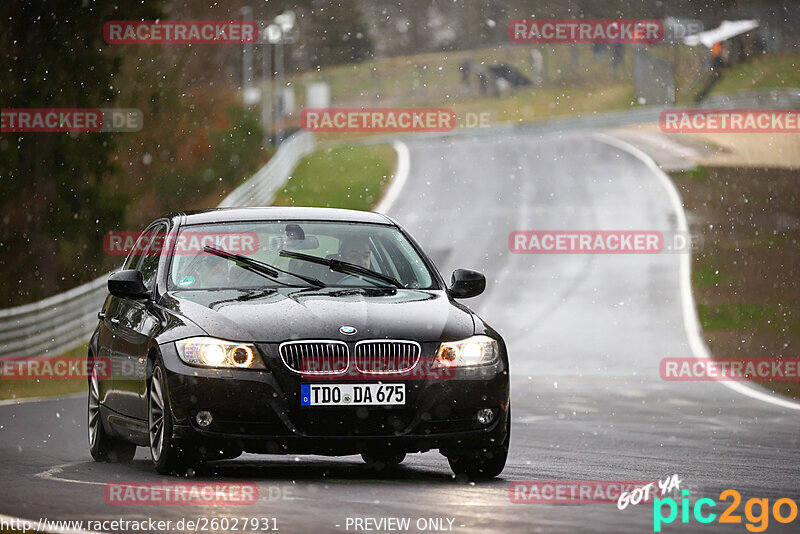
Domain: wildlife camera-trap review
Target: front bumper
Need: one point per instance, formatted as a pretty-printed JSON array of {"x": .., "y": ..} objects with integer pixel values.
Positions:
[{"x": 259, "y": 411}]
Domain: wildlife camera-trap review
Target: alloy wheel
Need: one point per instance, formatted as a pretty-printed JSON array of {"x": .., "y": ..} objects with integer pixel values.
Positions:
[
  {"x": 94, "y": 408},
  {"x": 156, "y": 415}
]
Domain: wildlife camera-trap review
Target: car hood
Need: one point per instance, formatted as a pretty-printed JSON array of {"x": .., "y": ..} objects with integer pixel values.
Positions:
[{"x": 276, "y": 315}]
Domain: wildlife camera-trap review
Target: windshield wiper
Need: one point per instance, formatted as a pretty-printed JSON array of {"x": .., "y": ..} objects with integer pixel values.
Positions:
[
  {"x": 342, "y": 267},
  {"x": 260, "y": 267}
]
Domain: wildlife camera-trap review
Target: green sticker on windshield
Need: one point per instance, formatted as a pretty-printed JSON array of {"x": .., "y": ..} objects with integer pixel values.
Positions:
[{"x": 186, "y": 281}]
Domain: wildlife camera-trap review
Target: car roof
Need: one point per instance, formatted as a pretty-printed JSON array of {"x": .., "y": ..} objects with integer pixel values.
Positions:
[{"x": 282, "y": 213}]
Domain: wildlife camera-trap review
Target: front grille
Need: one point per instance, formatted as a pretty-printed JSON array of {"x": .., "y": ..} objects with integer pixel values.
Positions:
[
  {"x": 315, "y": 357},
  {"x": 386, "y": 356}
]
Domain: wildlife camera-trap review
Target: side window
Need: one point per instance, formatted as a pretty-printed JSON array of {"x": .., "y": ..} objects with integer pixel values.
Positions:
[
  {"x": 138, "y": 251},
  {"x": 377, "y": 261},
  {"x": 149, "y": 264},
  {"x": 399, "y": 250},
  {"x": 399, "y": 264}
]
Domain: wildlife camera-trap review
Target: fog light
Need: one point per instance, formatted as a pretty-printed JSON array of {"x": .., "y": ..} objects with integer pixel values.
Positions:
[
  {"x": 203, "y": 418},
  {"x": 485, "y": 416}
]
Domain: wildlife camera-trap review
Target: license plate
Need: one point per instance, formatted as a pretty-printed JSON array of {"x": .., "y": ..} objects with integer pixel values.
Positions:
[{"x": 352, "y": 394}]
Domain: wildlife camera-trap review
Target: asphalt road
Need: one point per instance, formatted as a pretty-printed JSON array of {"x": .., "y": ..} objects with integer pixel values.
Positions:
[{"x": 585, "y": 333}]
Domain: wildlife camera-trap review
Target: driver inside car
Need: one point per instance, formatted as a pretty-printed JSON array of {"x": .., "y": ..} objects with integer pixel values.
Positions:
[{"x": 356, "y": 251}]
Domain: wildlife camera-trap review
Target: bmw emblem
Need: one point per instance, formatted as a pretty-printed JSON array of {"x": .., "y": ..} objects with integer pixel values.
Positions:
[{"x": 348, "y": 330}]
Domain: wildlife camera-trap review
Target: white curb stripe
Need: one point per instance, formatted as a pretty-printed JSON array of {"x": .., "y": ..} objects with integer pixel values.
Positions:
[
  {"x": 691, "y": 323},
  {"x": 398, "y": 179}
]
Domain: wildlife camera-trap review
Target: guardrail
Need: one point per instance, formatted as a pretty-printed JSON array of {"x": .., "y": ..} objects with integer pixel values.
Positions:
[
  {"x": 260, "y": 189},
  {"x": 64, "y": 321}
]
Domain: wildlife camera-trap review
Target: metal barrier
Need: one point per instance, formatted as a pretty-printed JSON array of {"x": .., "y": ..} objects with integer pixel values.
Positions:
[
  {"x": 260, "y": 189},
  {"x": 64, "y": 321},
  {"x": 55, "y": 324}
]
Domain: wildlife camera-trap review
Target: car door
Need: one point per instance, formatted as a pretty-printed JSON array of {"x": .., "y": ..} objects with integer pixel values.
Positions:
[
  {"x": 109, "y": 316},
  {"x": 105, "y": 338},
  {"x": 135, "y": 331}
]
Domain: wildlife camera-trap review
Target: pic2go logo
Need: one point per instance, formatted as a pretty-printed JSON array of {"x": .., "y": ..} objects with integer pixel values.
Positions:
[{"x": 702, "y": 513}]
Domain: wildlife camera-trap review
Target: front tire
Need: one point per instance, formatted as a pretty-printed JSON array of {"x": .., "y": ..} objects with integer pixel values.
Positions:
[
  {"x": 483, "y": 463},
  {"x": 383, "y": 459},
  {"x": 103, "y": 447},
  {"x": 167, "y": 456}
]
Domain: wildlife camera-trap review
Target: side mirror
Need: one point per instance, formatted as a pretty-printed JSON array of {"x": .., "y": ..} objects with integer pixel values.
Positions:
[
  {"x": 465, "y": 284},
  {"x": 128, "y": 284}
]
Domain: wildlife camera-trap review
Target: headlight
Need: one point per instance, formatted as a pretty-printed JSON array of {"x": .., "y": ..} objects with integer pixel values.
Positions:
[
  {"x": 476, "y": 350},
  {"x": 212, "y": 352}
]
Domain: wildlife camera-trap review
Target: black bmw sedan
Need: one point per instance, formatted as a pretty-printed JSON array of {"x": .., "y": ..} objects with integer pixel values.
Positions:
[{"x": 294, "y": 330}]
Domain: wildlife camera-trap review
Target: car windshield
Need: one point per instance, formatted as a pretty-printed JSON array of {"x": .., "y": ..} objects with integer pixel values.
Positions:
[{"x": 378, "y": 248}]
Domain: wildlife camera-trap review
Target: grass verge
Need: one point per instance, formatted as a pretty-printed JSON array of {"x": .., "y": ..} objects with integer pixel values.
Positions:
[
  {"x": 350, "y": 176},
  {"x": 765, "y": 72},
  {"x": 744, "y": 277}
]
